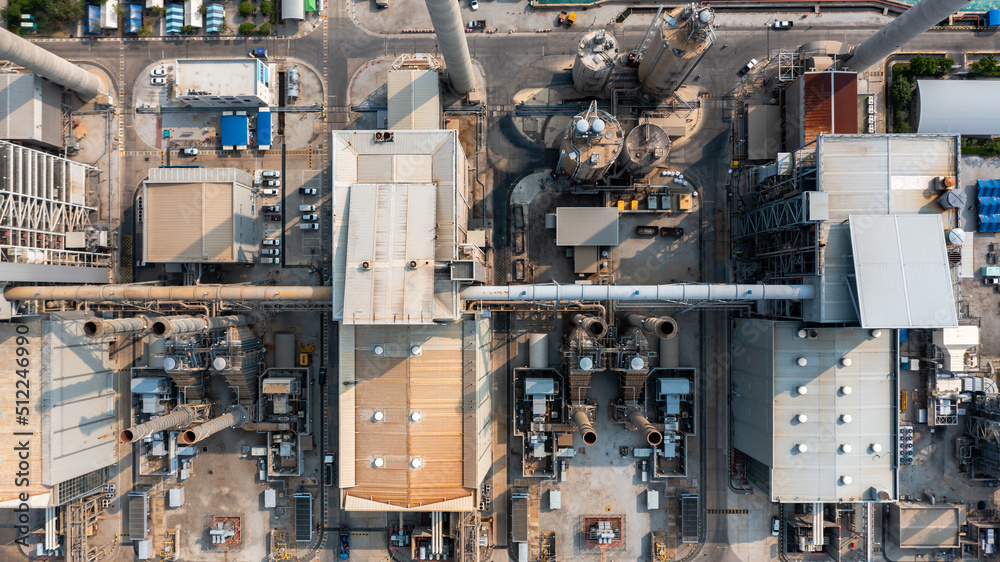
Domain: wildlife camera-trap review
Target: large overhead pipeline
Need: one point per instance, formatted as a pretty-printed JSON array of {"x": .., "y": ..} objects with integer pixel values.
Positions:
[
  {"x": 23, "y": 53},
  {"x": 180, "y": 416},
  {"x": 234, "y": 418},
  {"x": 143, "y": 293},
  {"x": 662, "y": 327},
  {"x": 652, "y": 435},
  {"x": 673, "y": 292},
  {"x": 169, "y": 326},
  {"x": 594, "y": 326},
  {"x": 583, "y": 425},
  {"x": 100, "y": 328},
  {"x": 890, "y": 38}
]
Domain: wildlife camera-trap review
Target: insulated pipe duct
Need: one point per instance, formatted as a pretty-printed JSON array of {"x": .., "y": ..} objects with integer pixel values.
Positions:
[
  {"x": 180, "y": 416},
  {"x": 583, "y": 425},
  {"x": 178, "y": 325},
  {"x": 913, "y": 22},
  {"x": 234, "y": 418},
  {"x": 450, "y": 32},
  {"x": 663, "y": 327},
  {"x": 139, "y": 293},
  {"x": 653, "y": 437},
  {"x": 674, "y": 292},
  {"x": 100, "y": 328},
  {"x": 48, "y": 65},
  {"x": 594, "y": 326}
]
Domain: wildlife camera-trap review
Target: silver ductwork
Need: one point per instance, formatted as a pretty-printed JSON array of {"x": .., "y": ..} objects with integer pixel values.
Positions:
[
  {"x": 180, "y": 416},
  {"x": 594, "y": 326},
  {"x": 913, "y": 22},
  {"x": 450, "y": 31},
  {"x": 234, "y": 418},
  {"x": 673, "y": 292},
  {"x": 662, "y": 327},
  {"x": 642, "y": 425},
  {"x": 101, "y": 328},
  {"x": 169, "y": 326},
  {"x": 583, "y": 425},
  {"x": 48, "y": 65},
  {"x": 146, "y": 293}
]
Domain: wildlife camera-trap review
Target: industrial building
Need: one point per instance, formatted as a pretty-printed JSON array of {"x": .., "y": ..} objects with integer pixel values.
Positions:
[
  {"x": 923, "y": 525},
  {"x": 46, "y": 232},
  {"x": 34, "y": 115},
  {"x": 938, "y": 113},
  {"x": 828, "y": 214},
  {"x": 225, "y": 83},
  {"x": 66, "y": 432},
  {"x": 414, "y": 99},
  {"x": 199, "y": 215}
]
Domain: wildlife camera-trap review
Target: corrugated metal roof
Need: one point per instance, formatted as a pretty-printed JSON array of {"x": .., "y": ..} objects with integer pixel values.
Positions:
[
  {"x": 235, "y": 130},
  {"x": 821, "y": 103},
  {"x": 902, "y": 274},
  {"x": 766, "y": 404},
  {"x": 763, "y": 132},
  {"x": 586, "y": 226},
  {"x": 30, "y": 110},
  {"x": 413, "y": 97},
  {"x": 964, "y": 107}
]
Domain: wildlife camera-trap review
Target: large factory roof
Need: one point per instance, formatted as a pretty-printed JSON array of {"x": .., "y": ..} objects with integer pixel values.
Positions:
[
  {"x": 71, "y": 422},
  {"x": 821, "y": 103},
  {"x": 961, "y": 107},
  {"x": 414, "y": 101},
  {"x": 586, "y": 226},
  {"x": 414, "y": 416},
  {"x": 916, "y": 525},
  {"x": 199, "y": 215},
  {"x": 845, "y": 373},
  {"x": 32, "y": 110},
  {"x": 871, "y": 175},
  {"x": 901, "y": 269},
  {"x": 411, "y": 161}
]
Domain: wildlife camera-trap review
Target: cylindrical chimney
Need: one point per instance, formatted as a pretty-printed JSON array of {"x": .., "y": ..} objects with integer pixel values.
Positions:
[
  {"x": 100, "y": 328},
  {"x": 234, "y": 418},
  {"x": 593, "y": 325},
  {"x": 168, "y": 326},
  {"x": 917, "y": 19},
  {"x": 450, "y": 32},
  {"x": 653, "y": 437},
  {"x": 48, "y": 65},
  {"x": 181, "y": 415},
  {"x": 583, "y": 425},
  {"x": 662, "y": 327}
]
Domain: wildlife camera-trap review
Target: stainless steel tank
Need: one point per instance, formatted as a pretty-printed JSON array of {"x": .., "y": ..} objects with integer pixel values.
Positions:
[
  {"x": 593, "y": 140},
  {"x": 646, "y": 149},
  {"x": 683, "y": 38},
  {"x": 595, "y": 60}
]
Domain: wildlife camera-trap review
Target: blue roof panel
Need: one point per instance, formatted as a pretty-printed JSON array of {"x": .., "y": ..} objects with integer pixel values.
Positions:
[
  {"x": 235, "y": 130},
  {"x": 264, "y": 128}
]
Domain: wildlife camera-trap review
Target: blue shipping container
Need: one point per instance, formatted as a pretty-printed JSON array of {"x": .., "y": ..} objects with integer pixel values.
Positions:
[{"x": 993, "y": 18}]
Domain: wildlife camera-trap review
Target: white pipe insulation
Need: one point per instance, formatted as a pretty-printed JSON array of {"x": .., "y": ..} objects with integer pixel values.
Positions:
[{"x": 673, "y": 292}]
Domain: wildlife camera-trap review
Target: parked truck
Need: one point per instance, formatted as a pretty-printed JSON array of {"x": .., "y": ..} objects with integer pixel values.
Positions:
[{"x": 345, "y": 542}]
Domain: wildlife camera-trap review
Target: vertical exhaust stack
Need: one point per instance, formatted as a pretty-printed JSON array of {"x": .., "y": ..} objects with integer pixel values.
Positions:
[
  {"x": 663, "y": 327},
  {"x": 180, "y": 416},
  {"x": 450, "y": 32},
  {"x": 101, "y": 328},
  {"x": 652, "y": 435},
  {"x": 592, "y": 325},
  {"x": 179, "y": 325},
  {"x": 914, "y": 21},
  {"x": 49, "y": 66},
  {"x": 234, "y": 418},
  {"x": 583, "y": 425}
]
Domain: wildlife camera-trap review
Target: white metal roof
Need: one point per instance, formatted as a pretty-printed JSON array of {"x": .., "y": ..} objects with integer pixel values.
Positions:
[
  {"x": 586, "y": 226},
  {"x": 965, "y": 107},
  {"x": 766, "y": 403},
  {"x": 413, "y": 100},
  {"x": 902, "y": 274},
  {"x": 390, "y": 226}
]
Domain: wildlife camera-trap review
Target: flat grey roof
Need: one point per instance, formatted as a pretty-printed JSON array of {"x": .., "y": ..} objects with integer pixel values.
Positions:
[
  {"x": 965, "y": 107},
  {"x": 901, "y": 271},
  {"x": 927, "y": 526},
  {"x": 586, "y": 226},
  {"x": 765, "y": 405}
]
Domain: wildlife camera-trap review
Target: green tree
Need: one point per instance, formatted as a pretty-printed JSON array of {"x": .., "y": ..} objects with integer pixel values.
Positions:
[
  {"x": 944, "y": 65},
  {"x": 121, "y": 11},
  {"x": 247, "y": 28},
  {"x": 145, "y": 31},
  {"x": 266, "y": 7},
  {"x": 900, "y": 92},
  {"x": 985, "y": 66},
  {"x": 223, "y": 27},
  {"x": 158, "y": 11},
  {"x": 188, "y": 30},
  {"x": 247, "y": 9},
  {"x": 264, "y": 29},
  {"x": 203, "y": 10}
]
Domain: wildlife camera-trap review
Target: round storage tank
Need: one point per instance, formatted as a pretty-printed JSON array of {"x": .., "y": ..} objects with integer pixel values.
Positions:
[
  {"x": 595, "y": 59},
  {"x": 646, "y": 148},
  {"x": 592, "y": 143},
  {"x": 680, "y": 47}
]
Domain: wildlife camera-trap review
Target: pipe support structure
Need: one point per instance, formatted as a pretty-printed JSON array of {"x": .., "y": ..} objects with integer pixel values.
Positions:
[
  {"x": 143, "y": 293},
  {"x": 169, "y": 326},
  {"x": 101, "y": 328},
  {"x": 583, "y": 425},
  {"x": 594, "y": 326},
  {"x": 648, "y": 430},
  {"x": 234, "y": 418},
  {"x": 180, "y": 416},
  {"x": 662, "y": 327},
  {"x": 671, "y": 292}
]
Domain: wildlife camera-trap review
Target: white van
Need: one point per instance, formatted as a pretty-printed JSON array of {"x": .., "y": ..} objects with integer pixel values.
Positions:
[
  {"x": 269, "y": 260},
  {"x": 309, "y": 226},
  {"x": 307, "y": 208}
]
